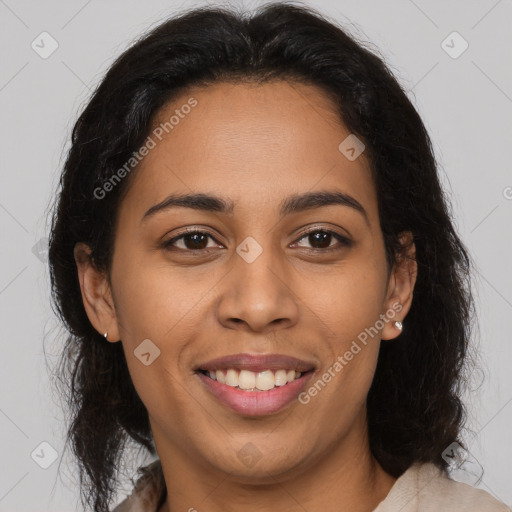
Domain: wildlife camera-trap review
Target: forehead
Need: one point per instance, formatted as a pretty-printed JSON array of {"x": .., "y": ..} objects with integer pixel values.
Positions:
[{"x": 252, "y": 143}]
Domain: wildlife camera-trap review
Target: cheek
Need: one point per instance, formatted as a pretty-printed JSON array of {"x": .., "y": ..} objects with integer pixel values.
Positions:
[
  {"x": 156, "y": 301},
  {"x": 166, "y": 399},
  {"x": 350, "y": 300},
  {"x": 152, "y": 304},
  {"x": 350, "y": 306}
]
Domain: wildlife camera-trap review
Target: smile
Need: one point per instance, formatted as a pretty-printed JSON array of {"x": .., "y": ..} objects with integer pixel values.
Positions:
[{"x": 255, "y": 385}]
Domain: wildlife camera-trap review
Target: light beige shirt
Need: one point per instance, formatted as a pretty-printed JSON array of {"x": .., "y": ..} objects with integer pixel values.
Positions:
[{"x": 422, "y": 488}]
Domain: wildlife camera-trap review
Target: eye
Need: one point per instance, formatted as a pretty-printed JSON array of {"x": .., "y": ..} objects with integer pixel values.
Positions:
[
  {"x": 193, "y": 240},
  {"x": 322, "y": 238}
]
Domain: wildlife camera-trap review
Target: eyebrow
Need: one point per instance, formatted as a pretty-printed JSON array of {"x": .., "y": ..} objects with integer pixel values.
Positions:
[{"x": 292, "y": 204}]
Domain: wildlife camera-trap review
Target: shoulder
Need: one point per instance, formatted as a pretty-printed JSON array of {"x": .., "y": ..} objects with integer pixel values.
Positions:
[
  {"x": 456, "y": 495},
  {"x": 426, "y": 488},
  {"x": 148, "y": 492}
]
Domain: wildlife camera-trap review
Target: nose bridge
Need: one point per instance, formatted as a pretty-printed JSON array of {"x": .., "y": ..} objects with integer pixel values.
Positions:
[{"x": 258, "y": 290}]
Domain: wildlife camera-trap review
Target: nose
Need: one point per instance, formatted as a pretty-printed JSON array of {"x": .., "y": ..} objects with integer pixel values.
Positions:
[{"x": 258, "y": 296}]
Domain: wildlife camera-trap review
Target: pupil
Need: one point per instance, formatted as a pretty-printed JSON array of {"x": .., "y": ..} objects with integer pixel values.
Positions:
[
  {"x": 195, "y": 240},
  {"x": 322, "y": 237}
]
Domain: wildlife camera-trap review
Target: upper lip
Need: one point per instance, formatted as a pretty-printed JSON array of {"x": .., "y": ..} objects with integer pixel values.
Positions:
[{"x": 257, "y": 363}]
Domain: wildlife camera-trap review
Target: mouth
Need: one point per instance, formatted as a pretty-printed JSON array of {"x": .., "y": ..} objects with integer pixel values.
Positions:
[{"x": 255, "y": 385}]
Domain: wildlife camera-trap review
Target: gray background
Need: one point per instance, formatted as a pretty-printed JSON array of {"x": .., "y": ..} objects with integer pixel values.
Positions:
[{"x": 466, "y": 103}]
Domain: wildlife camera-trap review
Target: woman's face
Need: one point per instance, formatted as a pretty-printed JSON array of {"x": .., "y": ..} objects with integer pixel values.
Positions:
[{"x": 267, "y": 277}]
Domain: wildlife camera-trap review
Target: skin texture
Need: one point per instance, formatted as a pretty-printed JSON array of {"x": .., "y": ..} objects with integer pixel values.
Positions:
[{"x": 254, "y": 145}]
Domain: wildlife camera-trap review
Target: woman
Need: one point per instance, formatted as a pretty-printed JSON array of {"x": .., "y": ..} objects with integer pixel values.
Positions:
[{"x": 261, "y": 280}]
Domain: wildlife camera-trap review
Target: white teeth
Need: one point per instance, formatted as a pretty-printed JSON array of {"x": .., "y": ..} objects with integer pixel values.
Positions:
[
  {"x": 247, "y": 380},
  {"x": 265, "y": 380},
  {"x": 280, "y": 378},
  {"x": 232, "y": 378},
  {"x": 290, "y": 375}
]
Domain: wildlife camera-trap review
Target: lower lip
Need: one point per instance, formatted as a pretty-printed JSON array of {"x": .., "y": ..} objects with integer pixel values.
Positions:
[{"x": 256, "y": 403}]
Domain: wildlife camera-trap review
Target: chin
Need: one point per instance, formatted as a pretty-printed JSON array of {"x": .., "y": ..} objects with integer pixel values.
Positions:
[{"x": 252, "y": 466}]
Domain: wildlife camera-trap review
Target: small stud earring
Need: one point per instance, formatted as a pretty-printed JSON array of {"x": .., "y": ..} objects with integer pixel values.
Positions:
[
  {"x": 398, "y": 325},
  {"x": 105, "y": 335}
]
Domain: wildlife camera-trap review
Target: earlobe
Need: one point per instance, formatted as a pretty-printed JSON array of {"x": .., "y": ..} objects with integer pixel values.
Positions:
[
  {"x": 401, "y": 288},
  {"x": 96, "y": 294}
]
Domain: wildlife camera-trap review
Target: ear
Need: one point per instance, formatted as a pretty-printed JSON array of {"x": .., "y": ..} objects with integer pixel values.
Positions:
[
  {"x": 96, "y": 294},
  {"x": 400, "y": 286}
]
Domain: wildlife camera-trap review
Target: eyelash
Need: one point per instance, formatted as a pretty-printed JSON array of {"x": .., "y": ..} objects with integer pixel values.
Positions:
[{"x": 345, "y": 242}]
